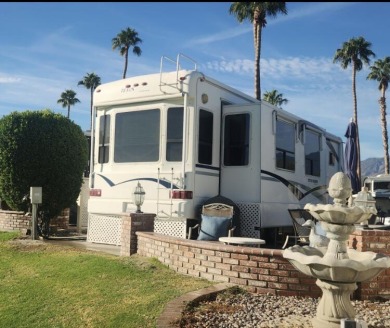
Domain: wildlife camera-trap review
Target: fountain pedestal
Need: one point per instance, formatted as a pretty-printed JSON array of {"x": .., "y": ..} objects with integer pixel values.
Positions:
[
  {"x": 335, "y": 304},
  {"x": 336, "y": 267}
]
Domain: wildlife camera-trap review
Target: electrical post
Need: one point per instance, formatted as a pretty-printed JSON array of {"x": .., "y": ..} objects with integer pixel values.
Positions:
[{"x": 36, "y": 199}]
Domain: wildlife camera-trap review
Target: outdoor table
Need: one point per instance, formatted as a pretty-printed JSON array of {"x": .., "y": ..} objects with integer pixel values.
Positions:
[{"x": 246, "y": 241}]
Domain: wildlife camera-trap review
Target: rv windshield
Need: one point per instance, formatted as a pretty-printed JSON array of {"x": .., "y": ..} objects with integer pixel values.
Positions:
[{"x": 382, "y": 185}]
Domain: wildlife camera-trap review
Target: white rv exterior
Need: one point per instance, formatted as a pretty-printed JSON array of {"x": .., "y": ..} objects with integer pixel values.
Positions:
[
  {"x": 379, "y": 186},
  {"x": 186, "y": 138}
]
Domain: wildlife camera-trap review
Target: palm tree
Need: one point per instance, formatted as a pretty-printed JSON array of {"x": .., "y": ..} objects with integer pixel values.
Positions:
[
  {"x": 275, "y": 98},
  {"x": 124, "y": 41},
  {"x": 68, "y": 98},
  {"x": 355, "y": 52},
  {"x": 380, "y": 72},
  {"x": 91, "y": 81},
  {"x": 256, "y": 13}
]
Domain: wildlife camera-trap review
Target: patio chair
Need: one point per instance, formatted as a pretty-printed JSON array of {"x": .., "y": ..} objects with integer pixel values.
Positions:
[
  {"x": 301, "y": 233},
  {"x": 216, "y": 222}
]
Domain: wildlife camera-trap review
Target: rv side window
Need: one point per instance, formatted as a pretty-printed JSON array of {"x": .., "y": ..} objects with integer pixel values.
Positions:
[
  {"x": 285, "y": 145},
  {"x": 104, "y": 139},
  {"x": 333, "y": 153},
  {"x": 205, "y": 142},
  {"x": 312, "y": 153},
  {"x": 236, "y": 140},
  {"x": 381, "y": 185},
  {"x": 175, "y": 134},
  {"x": 137, "y": 136},
  {"x": 332, "y": 159}
]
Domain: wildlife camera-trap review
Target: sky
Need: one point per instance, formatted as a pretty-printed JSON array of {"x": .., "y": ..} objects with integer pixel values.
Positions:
[{"x": 47, "y": 48}]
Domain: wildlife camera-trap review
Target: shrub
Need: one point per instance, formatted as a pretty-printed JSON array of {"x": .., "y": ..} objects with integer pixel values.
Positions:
[{"x": 41, "y": 149}]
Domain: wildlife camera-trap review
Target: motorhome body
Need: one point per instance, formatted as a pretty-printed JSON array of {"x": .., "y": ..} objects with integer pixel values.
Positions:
[
  {"x": 379, "y": 187},
  {"x": 186, "y": 138}
]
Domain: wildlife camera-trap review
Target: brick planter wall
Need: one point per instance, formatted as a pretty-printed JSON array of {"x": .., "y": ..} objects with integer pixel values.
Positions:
[
  {"x": 377, "y": 241},
  {"x": 259, "y": 270}
]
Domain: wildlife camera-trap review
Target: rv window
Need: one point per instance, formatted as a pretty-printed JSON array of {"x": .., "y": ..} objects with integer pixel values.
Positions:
[
  {"x": 332, "y": 159},
  {"x": 104, "y": 139},
  {"x": 137, "y": 136},
  {"x": 285, "y": 145},
  {"x": 236, "y": 140},
  {"x": 333, "y": 153},
  {"x": 175, "y": 134},
  {"x": 205, "y": 143},
  {"x": 312, "y": 153},
  {"x": 381, "y": 185}
]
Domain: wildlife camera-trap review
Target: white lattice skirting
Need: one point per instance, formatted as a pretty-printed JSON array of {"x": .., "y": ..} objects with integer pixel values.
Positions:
[
  {"x": 104, "y": 229},
  {"x": 250, "y": 218},
  {"x": 171, "y": 227}
]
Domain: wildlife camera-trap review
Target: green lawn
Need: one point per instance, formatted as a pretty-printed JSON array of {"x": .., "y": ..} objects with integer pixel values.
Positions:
[{"x": 46, "y": 285}]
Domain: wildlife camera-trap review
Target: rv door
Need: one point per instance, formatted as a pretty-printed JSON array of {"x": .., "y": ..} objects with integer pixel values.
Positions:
[{"x": 240, "y": 153}]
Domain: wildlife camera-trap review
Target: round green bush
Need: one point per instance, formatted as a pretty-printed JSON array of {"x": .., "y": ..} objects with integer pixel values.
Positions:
[{"x": 41, "y": 149}]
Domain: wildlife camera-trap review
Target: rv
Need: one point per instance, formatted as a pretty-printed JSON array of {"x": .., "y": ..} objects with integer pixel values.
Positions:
[
  {"x": 379, "y": 187},
  {"x": 185, "y": 138}
]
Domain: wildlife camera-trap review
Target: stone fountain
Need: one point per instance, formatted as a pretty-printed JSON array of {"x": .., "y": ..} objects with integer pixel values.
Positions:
[{"x": 337, "y": 267}]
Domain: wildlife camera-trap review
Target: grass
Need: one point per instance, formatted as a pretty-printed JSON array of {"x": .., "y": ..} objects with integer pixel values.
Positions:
[{"x": 45, "y": 285}]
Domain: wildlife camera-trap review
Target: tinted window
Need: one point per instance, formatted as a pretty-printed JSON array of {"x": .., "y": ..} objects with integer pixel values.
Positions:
[
  {"x": 175, "y": 134},
  {"x": 104, "y": 139},
  {"x": 137, "y": 136},
  {"x": 236, "y": 140},
  {"x": 285, "y": 145},
  {"x": 312, "y": 153},
  {"x": 205, "y": 142}
]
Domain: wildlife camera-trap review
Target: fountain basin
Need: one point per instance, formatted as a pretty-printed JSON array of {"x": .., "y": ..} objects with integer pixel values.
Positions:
[
  {"x": 359, "y": 267},
  {"x": 342, "y": 215}
]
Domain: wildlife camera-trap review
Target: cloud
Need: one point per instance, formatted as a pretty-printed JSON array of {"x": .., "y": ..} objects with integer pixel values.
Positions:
[{"x": 9, "y": 79}]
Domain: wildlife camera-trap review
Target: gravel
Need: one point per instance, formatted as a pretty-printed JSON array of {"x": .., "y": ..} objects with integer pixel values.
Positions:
[{"x": 246, "y": 310}]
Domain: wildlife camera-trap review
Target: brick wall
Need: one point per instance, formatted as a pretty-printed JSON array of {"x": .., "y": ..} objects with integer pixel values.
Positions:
[
  {"x": 14, "y": 220},
  {"x": 61, "y": 221},
  {"x": 377, "y": 241},
  {"x": 131, "y": 223},
  {"x": 259, "y": 270},
  {"x": 17, "y": 220}
]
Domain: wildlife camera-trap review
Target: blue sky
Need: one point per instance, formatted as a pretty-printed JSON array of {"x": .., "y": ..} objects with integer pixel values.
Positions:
[{"x": 46, "y": 48}]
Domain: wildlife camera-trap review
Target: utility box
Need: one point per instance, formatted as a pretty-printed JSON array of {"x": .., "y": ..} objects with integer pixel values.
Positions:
[{"x": 36, "y": 195}]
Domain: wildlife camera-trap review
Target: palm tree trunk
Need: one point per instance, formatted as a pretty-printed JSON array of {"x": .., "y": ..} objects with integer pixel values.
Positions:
[
  {"x": 382, "y": 102},
  {"x": 355, "y": 118},
  {"x": 257, "y": 43},
  {"x": 68, "y": 110},
  {"x": 90, "y": 123},
  {"x": 126, "y": 61}
]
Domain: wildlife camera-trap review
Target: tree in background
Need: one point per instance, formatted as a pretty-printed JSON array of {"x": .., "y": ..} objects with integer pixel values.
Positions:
[
  {"x": 380, "y": 71},
  {"x": 68, "y": 98},
  {"x": 91, "y": 81},
  {"x": 124, "y": 41},
  {"x": 257, "y": 13},
  {"x": 41, "y": 149},
  {"x": 275, "y": 98},
  {"x": 355, "y": 52}
]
